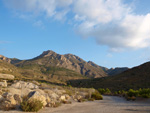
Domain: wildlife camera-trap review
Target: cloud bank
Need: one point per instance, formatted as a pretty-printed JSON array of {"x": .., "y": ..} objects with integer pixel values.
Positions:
[{"x": 111, "y": 23}]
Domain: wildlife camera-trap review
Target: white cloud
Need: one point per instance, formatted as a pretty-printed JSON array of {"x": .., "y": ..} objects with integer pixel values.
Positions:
[
  {"x": 48, "y": 7},
  {"x": 110, "y": 22}
]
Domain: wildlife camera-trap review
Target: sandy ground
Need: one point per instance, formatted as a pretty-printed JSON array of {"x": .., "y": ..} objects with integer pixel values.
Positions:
[{"x": 110, "y": 104}]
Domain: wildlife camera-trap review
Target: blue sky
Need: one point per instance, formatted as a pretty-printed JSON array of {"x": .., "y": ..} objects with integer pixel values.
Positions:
[{"x": 109, "y": 33}]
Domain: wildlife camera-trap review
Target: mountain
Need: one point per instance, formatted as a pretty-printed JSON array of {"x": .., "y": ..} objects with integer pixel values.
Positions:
[
  {"x": 111, "y": 71},
  {"x": 49, "y": 60},
  {"x": 7, "y": 68},
  {"x": 135, "y": 78},
  {"x": 115, "y": 71}
]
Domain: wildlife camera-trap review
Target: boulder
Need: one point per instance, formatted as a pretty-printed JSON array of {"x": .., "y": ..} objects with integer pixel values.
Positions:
[
  {"x": 21, "y": 92},
  {"x": 7, "y": 76},
  {"x": 22, "y": 84},
  {"x": 35, "y": 95},
  {"x": 7, "y": 102}
]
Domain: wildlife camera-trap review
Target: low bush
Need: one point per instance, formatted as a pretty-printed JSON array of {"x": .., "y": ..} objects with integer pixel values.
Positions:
[
  {"x": 104, "y": 91},
  {"x": 96, "y": 95},
  {"x": 31, "y": 106},
  {"x": 145, "y": 93},
  {"x": 132, "y": 93}
]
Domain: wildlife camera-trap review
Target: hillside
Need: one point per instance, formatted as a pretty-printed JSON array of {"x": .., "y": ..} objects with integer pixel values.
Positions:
[
  {"x": 7, "y": 68},
  {"x": 111, "y": 71},
  {"x": 36, "y": 72},
  {"x": 137, "y": 77},
  {"x": 49, "y": 62},
  {"x": 115, "y": 71}
]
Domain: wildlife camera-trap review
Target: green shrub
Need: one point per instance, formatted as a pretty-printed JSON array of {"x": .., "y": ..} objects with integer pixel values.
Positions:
[
  {"x": 96, "y": 95},
  {"x": 104, "y": 91},
  {"x": 145, "y": 93},
  {"x": 31, "y": 106},
  {"x": 132, "y": 93},
  {"x": 101, "y": 90}
]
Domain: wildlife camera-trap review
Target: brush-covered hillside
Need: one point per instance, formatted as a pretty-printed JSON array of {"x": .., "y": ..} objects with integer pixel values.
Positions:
[{"x": 135, "y": 78}]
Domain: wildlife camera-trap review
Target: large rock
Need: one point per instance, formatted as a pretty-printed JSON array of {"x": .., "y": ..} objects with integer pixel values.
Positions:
[
  {"x": 7, "y": 76},
  {"x": 7, "y": 101},
  {"x": 22, "y": 84},
  {"x": 21, "y": 92},
  {"x": 35, "y": 95}
]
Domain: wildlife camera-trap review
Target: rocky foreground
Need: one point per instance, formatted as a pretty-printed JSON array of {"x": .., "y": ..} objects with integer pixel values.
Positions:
[
  {"x": 17, "y": 95},
  {"x": 109, "y": 104}
]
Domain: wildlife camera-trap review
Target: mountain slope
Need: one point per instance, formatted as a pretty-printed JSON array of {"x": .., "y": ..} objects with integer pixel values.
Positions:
[
  {"x": 49, "y": 60},
  {"x": 137, "y": 77},
  {"x": 115, "y": 71},
  {"x": 111, "y": 71}
]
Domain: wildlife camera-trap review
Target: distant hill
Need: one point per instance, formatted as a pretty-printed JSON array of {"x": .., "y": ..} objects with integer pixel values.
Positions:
[
  {"x": 115, "y": 71},
  {"x": 49, "y": 61},
  {"x": 135, "y": 78},
  {"x": 111, "y": 71}
]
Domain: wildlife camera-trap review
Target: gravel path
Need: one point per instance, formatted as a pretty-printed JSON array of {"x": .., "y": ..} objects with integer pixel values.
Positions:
[{"x": 110, "y": 104}]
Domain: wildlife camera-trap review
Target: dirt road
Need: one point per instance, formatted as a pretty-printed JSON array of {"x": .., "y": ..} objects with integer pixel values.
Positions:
[{"x": 110, "y": 104}]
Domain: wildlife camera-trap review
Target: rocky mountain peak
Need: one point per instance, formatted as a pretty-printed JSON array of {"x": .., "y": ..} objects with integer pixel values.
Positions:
[{"x": 48, "y": 53}]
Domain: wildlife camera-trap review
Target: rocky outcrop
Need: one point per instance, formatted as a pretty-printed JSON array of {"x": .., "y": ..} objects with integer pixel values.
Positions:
[
  {"x": 7, "y": 76},
  {"x": 22, "y": 84}
]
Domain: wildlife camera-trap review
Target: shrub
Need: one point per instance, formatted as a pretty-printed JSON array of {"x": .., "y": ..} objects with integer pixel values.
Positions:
[
  {"x": 104, "y": 91},
  {"x": 31, "y": 106},
  {"x": 132, "y": 93},
  {"x": 96, "y": 95},
  {"x": 101, "y": 90},
  {"x": 145, "y": 93}
]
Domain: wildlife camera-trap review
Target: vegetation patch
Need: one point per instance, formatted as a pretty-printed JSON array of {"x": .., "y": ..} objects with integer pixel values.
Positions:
[{"x": 31, "y": 106}]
